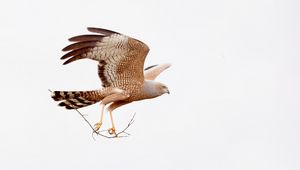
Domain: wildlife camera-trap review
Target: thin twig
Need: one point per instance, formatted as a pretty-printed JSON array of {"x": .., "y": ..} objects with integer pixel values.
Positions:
[
  {"x": 118, "y": 135},
  {"x": 124, "y": 130},
  {"x": 101, "y": 134}
]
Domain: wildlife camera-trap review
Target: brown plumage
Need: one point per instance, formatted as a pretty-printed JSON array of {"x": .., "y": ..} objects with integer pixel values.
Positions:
[{"x": 120, "y": 68}]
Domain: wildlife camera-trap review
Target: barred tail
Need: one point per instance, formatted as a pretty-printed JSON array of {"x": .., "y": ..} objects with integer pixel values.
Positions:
[{"x": 77, "y": 99}]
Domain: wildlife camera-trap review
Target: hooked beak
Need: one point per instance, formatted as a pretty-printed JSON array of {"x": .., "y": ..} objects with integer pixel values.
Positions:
[{"x": 168, "y": 91}]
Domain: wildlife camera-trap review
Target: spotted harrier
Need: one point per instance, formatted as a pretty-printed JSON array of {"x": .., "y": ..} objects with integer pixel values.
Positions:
[{"x": 120, "y": 68}]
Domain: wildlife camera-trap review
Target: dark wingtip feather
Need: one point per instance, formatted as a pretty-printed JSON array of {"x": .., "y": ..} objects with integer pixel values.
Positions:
[
  {"x": 150, "y": 67},
  {"x": 74, "y": 58},
  {"x": 76, "y": 52},
  {"x": 79, "y": 45},
  {"x": 101, "y": 31},
  {"x": 90, "y": 37},
  {"x": 67, "y": 55},
  {"x": 66, "y": 62}
]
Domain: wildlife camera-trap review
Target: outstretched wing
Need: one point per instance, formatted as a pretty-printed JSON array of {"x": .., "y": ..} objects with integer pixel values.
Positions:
[
  {"x": 120, "y": 57},
  {"x": 152, "y": 72}
]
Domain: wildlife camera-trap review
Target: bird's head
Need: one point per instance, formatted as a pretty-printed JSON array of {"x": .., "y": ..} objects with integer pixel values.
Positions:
[
  {"x": 162, "y": 88},
  {"x": 153, "y": 89}
]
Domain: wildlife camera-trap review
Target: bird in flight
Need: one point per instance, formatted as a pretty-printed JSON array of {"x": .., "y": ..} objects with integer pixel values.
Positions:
[{"x": 120, "y": 68}]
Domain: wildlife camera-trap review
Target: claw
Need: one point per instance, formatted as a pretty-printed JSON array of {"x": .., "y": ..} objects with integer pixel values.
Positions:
[
  {"x": 97, "y": 126},
  {"x": 112, "y": 131}
]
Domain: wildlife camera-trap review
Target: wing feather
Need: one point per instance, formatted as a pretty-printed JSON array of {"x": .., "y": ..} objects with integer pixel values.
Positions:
[
  {"x": 80, "y": 51},
  {"x": 152, "y": 72},
  {"x": 86, "y": 38},
  {"x": 150, "y": 67},
  {"x": 80, "y": 45},
  {"x": 119, "y": 56},
  {"x": 74, "y": 58},
  {"x": 101, "y": 31}
]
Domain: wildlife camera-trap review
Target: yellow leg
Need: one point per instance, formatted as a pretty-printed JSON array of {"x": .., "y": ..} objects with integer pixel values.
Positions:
[
  {"x": 107, "y": 100},
  {"x": 112, "y": 130},
  {"x": 98, "y": 125}
]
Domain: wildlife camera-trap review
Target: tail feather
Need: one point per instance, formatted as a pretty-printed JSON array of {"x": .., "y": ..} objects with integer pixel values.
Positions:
[{"x": 77, "y": 99}]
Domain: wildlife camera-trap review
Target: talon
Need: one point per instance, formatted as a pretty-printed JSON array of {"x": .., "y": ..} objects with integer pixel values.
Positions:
[
  {"x": 97, "y": 126},
  {"x": 112, "y": 131}
]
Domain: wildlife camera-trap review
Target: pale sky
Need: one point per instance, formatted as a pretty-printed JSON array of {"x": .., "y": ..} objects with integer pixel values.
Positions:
[{"x": 234, "y": 82}]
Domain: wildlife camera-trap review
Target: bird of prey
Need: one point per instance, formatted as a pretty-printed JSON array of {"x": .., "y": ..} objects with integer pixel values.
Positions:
[{"x": 120, "y": 68}]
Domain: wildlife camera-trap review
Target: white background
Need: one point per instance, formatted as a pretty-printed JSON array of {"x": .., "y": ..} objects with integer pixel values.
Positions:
[{"x": 234, "y": 83}]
